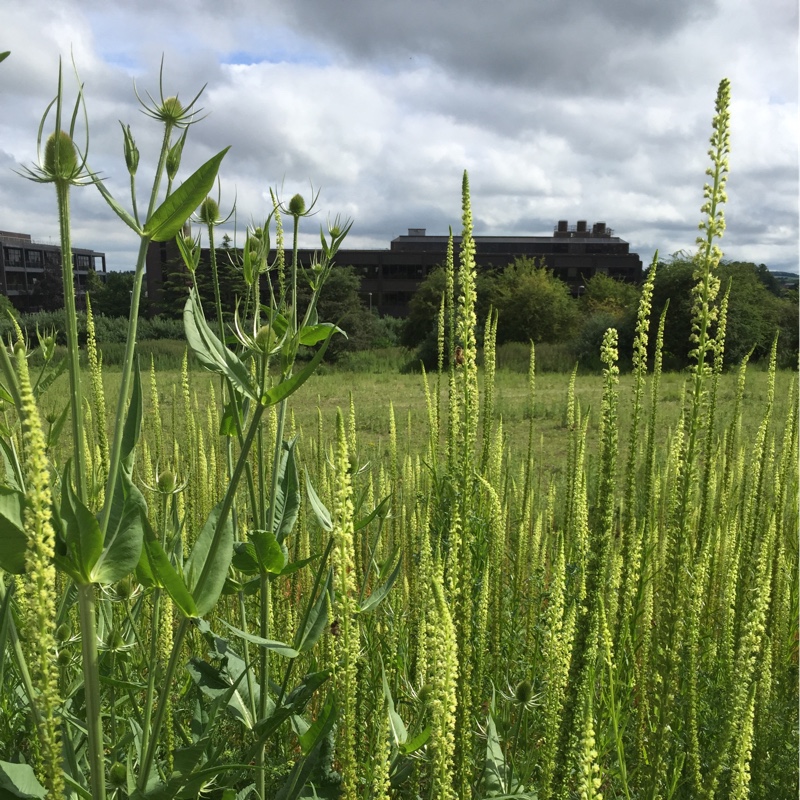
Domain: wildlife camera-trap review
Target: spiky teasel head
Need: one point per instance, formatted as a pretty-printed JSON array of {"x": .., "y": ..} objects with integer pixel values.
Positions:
[
  {"x": 60, "y": 155},
  {"x": 209, "y": 214},
  {"x": 170, "y": 110},
  {"x": 60, "y": 161},
  {"x": 297, "y": 206}
]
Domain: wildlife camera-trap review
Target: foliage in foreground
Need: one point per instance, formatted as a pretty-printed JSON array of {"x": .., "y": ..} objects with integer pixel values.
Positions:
[{"x": 210, "y": 613}]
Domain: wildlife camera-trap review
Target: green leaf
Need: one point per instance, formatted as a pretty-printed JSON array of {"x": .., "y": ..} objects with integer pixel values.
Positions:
[
  {"x": 82, "y": 534},
  {"x": 4, "y": 55},
  {"x": 216, "y": 685},
  {"x": 13, "y": 475},
  {"x": 270, "y": 555},
  {"x": 169, "y": 217},
  {"x": 318, "y": 507},
  {"x": 294, "y": 703},
  {"x": 209, "y": 351},
  {"x": 313, "y": 334},
  {"x": 381, "y": 592},
  {"x": 123, "y": 543},
  {"x": 54, "y": 434},
  {"x": 116, "y": 207},
  {"x": 227, "y": 424},
  {"x": 311, "y": 742},
  {"x": 320, "y": 726},
  {"x": 155, "y": 567},
  {"x": 268, "y": 644},
  {"x": 416, "y": 742},
  {"x": 206, "y": 595},
  {"x": 494, "y": 772},
  {"x": 287, "y": 498},
  {"x": 317, "y": 619},
  {"x": 379, "y": 509},
  {"x": 245, "y": 558},
  {"x": 13, "y": 541},
  {"x": 399, "y": 732},
  {"x": 296, "y": 565},
  {"x": 133, "y": 423},
  {"x": 18, "y": 780}
]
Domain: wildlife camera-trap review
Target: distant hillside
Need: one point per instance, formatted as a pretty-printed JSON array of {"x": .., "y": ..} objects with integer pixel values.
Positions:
[{"x": 789, "y": 280}]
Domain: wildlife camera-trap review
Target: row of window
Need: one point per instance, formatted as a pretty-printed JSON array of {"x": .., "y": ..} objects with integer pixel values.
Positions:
[{"x": 13, "y": 257}]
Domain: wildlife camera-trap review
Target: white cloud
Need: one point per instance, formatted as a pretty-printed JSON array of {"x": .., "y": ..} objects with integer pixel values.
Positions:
[{"x": 557, "y": 110}]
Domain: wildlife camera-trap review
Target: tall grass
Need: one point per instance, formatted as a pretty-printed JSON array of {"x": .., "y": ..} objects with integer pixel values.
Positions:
[{"x": 254, "y": 580}]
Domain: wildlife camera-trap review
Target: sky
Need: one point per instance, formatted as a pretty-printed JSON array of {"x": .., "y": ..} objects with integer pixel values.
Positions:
[{"x": 557, "y": 109}]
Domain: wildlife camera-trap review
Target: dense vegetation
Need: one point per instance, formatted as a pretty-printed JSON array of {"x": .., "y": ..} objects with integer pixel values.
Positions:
[
  {"x": 534, "y": 305},
  {"x": 202, "y": 596}
]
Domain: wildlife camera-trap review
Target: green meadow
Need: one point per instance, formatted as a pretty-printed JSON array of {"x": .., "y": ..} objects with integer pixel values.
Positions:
[{"x": 255, "y": 575}]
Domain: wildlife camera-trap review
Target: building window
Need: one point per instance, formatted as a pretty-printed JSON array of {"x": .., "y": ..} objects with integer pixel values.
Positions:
[
  {"x": 13, "y": 256},
  {"x": 34, "y": 257},
  {"x": 82, "y": 262},
  {"x": 52, "y": 258}
]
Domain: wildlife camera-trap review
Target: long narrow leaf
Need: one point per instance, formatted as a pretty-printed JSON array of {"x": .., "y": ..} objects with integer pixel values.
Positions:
[
  {"x": 170, "y": 216},
  {"x": 206, "y": 594}
]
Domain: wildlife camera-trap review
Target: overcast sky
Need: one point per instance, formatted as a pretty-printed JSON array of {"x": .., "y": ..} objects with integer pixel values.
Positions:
[{"x": 558, "y": 109}]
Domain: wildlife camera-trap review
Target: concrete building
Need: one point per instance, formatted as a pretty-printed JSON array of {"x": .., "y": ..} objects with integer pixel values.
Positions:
[
  {"x": 390, "y": 277},
  {"x": 26, "y": 263}
]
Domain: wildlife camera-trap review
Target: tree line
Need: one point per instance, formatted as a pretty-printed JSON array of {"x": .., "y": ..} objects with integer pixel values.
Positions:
[{"x": 535, "y": 305}]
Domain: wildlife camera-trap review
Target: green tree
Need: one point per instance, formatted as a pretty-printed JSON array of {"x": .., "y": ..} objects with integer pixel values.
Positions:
[
  {"x": 606, "y": 303},
  {"x": 603, "y": 293},
  {"x": 754, "y": 312},
  {"x": 340, "y": 303},
  {"x": 419, "y": 327},
  {"x": 532, "y": 304},
  {"x": 112, "y": 296}
]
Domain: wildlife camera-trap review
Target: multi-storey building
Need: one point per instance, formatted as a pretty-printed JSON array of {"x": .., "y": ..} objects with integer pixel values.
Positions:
[
  {"x": 26, "y": 264},
  {"x": 390, "y": 277}
]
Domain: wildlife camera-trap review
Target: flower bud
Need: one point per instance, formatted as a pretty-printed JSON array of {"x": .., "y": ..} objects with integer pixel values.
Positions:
[
  {"x": 166, "y": 482},
  {"x": 523, "y": 692},
  {"x": 131, "y": 150},
  {"x": 60, "y": 156},
  {"x": 171, "y": 109},
  {"x": 118, "y": 774},
  {"x": 209, "y": 211},
  {"x": 265, "y": 338},
  {"x": 297, "y": 206},
  {"x": 63, "y": 632}
]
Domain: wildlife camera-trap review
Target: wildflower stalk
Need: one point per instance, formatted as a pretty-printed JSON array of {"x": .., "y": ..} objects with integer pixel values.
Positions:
[{"x": 39, "y": 604}]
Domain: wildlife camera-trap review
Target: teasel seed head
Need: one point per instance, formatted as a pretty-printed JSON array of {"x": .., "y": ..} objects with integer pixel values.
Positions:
[
  {"x": 61, "y": 156},
  {"x": 297, "y": 206}
]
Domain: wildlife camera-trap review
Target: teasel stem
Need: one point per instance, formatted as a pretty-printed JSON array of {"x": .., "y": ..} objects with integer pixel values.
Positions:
[
  {"x": 130, "y": 346},
  {"x": 73, "y": 358}
]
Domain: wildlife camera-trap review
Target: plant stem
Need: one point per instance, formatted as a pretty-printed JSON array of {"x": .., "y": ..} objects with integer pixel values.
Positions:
[
  {"x": 177, "y": 645},
  {"x": 76, "y": 403},
  {"x": 91, "y": 683}
]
